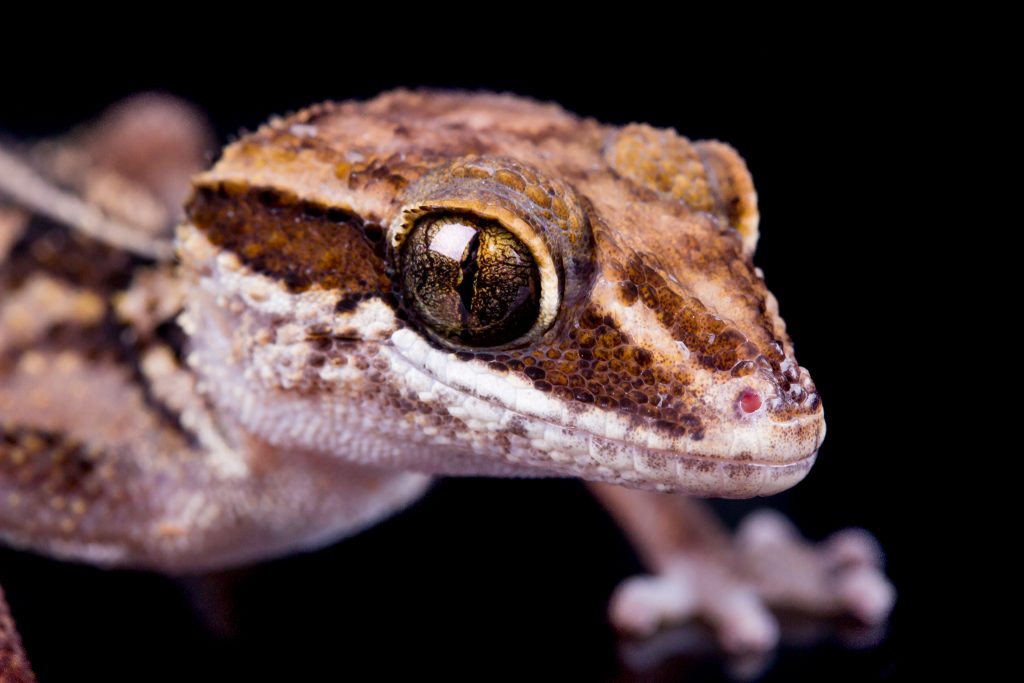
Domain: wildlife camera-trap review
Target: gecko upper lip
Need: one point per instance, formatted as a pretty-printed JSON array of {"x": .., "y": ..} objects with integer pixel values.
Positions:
[{"x": 577, "y": 449}]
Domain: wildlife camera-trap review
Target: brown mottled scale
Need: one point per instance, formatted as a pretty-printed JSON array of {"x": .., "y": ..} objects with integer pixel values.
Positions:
[
  {"x": 673, "y": 224},
  {"x": 305, "y": 392},
  {"x": 79, "y": 316},
  {"x": 78, "y": 313},
  {"x": 103, "y": 419}
]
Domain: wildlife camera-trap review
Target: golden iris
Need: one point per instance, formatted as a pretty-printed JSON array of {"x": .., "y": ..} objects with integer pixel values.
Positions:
[{"x": 470, "y": 280}]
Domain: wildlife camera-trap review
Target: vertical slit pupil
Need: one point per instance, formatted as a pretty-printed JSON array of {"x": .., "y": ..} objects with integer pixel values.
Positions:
[{"x": 467, "y": 282}]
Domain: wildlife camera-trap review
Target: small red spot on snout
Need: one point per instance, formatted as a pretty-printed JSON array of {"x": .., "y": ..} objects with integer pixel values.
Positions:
[{"x": 749, "y": 400}]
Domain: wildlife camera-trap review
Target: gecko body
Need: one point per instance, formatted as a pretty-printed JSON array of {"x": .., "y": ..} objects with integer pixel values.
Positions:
[{"x": 370, "y": 294}]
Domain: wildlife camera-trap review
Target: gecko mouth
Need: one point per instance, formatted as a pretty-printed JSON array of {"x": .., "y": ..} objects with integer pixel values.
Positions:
[
  {"x": 499, "y": 423},
  {"x": 549, "y": 437}
]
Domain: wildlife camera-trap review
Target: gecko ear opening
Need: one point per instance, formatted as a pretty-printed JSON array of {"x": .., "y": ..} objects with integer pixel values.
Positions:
[{"x": 708, "y": 176}]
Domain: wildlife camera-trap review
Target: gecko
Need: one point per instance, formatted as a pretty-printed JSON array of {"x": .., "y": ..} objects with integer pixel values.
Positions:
[{"x": 206, "y": 368}]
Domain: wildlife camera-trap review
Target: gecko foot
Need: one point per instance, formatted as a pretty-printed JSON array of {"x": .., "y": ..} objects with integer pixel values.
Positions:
[
  {"x": 840, "y": 576},
  {"x": 696, "y": 587},
  {"x": 769, "y": 566}
]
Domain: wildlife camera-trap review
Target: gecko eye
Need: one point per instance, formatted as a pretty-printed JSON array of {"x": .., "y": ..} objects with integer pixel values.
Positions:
[
  {"x": 470, "y": 280},
  {"x": 486, "y": 250}
]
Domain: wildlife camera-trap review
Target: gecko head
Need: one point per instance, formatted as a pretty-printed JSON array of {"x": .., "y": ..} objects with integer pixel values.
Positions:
[{"x": 482, "y": 284}]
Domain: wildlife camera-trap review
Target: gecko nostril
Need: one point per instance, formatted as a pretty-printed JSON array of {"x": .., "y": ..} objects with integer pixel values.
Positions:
[{"x": 749, "y": 401}]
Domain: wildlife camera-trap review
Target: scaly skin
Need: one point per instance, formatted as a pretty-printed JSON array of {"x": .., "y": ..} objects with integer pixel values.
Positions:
[
  {"x": 300, "y": 394},
  {"x": 661, "y": 321}
]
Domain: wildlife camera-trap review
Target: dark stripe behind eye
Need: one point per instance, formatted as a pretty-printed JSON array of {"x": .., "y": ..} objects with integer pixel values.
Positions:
[{"x": 297, "y": 242}]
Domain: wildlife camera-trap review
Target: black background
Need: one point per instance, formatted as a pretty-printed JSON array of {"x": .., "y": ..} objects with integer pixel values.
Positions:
[{"x": 491, "y": 579}]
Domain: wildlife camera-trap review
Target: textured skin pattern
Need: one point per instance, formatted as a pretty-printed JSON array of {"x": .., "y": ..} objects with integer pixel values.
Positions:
[
  {"x": 299, "y": 243},
  {"x": 276, "y": 390},
  {"x": 657, "y": 321},
  {"x": 707, "y": 176},
  {"x": 107, "y": 451}
]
